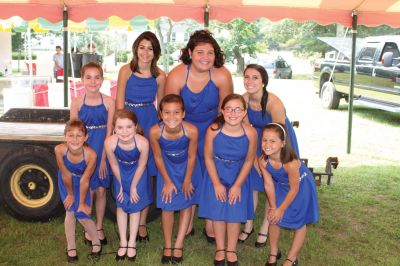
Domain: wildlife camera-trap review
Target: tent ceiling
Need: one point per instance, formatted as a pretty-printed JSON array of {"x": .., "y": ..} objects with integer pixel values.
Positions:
[{"x": 370, "y": 12}]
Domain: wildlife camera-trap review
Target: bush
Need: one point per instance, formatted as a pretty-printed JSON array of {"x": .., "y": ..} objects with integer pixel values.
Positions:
[
  {"x": 122, "y": 56},
  {"x": 170, "y": 60},
  {"x": 21, "y": 56}
]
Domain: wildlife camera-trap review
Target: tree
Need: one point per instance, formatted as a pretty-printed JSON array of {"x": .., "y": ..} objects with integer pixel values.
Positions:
[{"x": 238, "y": 38}]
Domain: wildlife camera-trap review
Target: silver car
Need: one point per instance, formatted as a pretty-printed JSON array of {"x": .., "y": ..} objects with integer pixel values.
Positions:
[{"x": 277, "y": 68}]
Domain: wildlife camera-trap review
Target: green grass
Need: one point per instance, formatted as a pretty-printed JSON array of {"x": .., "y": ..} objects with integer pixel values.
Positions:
[
  {"x": 359, "y": 225},
  {"x": 380, "y": 116}
]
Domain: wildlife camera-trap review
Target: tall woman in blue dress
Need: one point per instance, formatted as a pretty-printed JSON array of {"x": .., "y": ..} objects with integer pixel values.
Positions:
[
  {"x": 203, "y": 82},
  {"x": 263, "y": 107},
  {"x": 96, "y": 111},
  {"x": 128, "y": 153},
  {"x": 174, "y": 143},
  {"x": 291, "y": 192},
  {"x": 140, "y": 83},
  {"x": 230, "y": 150}
]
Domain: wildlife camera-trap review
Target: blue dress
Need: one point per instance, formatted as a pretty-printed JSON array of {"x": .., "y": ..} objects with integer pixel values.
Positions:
[
  {"x": 128, "y": 163},
  {"x": 229, "y": 156},
  {"x": 304, "y": 208},
  {"x": 95, "y": 119},
  {"x": 258, "y": 122},
  {"x": 200, "y": 110},
  {"x": 175, "y": 157},
  {"x": 77, "y": 170},
  {"x": 140, "y": 95}
]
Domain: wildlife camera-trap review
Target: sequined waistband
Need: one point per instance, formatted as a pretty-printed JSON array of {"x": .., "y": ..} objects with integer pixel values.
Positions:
[
  {"x": 138, "y": 104},
  {"x": 175, "y": 153},
  {"x": 225, "y": 160},
  {"x": 96, "y": 127},
  {"x": 127, "y": 162}
]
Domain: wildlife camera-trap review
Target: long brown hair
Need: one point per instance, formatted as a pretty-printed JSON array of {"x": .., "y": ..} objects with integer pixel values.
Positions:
[{"x": 265, "y": 79}]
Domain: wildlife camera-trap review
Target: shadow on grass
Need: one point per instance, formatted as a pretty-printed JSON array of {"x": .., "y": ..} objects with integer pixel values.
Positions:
[{"x": 380, "y": 116}]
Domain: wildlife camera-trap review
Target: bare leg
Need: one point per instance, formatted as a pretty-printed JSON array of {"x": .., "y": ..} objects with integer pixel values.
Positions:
[
  {"x": 297, "y": 244},
  {"x": 210, "y": 228},
  {"x": 133, "y": 230},
  {"x": 167, "y": 218},
  {"x": 233, "y": 230},
  {"x": 184, "y": 219},
  {"x": 264, "y": 225},
  {"x": 90, "y": 228},
  {"x": 220, "y": 232},
  {"x": 92, "y": 193},
  {"x": 274, "y": 233},
  {"x": 69, "y": 225},
  {"x": 143, "y": 221},
  {"x": 249, "y": 225},
  {"x": 100, "y": 210},
  {"x": 190, "y": 227},
  {"x": 122, "y": 221}
]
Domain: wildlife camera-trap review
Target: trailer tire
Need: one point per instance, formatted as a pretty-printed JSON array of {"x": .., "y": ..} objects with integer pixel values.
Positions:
[
  {"x": 330, "y": 98},
  {"x": 28, "y": 185}
]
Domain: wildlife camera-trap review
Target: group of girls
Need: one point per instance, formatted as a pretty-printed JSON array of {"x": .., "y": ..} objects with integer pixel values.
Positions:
[{"x": 206, "y": 146}]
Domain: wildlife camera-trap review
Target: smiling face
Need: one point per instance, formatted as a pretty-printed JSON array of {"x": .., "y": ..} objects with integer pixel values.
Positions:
[
  {"x": 75, "y": 138},
  {"x": 203, "y": 56},
  {"x": 271, "y": 143},
  {"x": 145, "y": 51},
  {"x": 172, "y": 114},
  {"x": 125, "y": 129},
  {"x": 92, "y": 79},
  {"x": 252, "y": 80},
  {"x": 234, "y": 112}
]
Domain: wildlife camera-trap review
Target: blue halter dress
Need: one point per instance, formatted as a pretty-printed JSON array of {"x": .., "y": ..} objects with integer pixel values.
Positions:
[
  {"x": 140, "y": 95},
  {"x": 175, "y": 157},
  {"x": 77, "y": 170},
  {"x": 128, "y": 163},
  {"x": 229, "y": 156},
  {"x": 200, "y": 110},
  {"x": 95, "y": 119},
  {"x": 304, "y": 208},
  {"x": 258, "y": 122}
]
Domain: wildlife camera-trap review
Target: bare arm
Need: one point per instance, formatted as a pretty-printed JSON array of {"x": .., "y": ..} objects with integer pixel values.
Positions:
[
  {"x": 224, "y": 83},
  {"x": 110, "y": 105},
  {"x": 175, "y": 80},
  {"x": 66, "y": 175},
  {"x": 143, "y": 147},
  {"x": 161, "y": 79},
  {"x": 90, "y": 158},
  {"x": 193, "y": 136},
  {"x": 268, "y": 183},
  {"x": 155, "y": 146},
  {"x": 123, "y": 76},
  {"x": 292, "y": 168},
  {"x": 75, "y": 107},
  {"x": 276, "y": 109}
]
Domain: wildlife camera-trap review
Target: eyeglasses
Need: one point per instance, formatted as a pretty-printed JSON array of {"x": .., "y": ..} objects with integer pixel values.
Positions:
[{"x": 236, "y": 110}]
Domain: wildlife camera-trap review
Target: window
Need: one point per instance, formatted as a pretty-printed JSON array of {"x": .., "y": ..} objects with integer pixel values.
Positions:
[
  {"x": 173, "y": 37},
  {"x": 391, "y": 47},
  {"x": 367, "y": 54}
]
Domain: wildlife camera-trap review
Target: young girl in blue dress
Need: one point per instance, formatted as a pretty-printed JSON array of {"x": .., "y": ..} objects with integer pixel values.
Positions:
[
  {"x": 174, "y": 144},
  {"x": 77, "y": 163},
  {"x": 291, "y": 192},
  {"x": 263, "y": 107},
  {"x": 229, "y": 152},
  {"x": 96, "y": 111},
  {"x": 127, "y": 153},
  {"x": 140, "y": 83}
]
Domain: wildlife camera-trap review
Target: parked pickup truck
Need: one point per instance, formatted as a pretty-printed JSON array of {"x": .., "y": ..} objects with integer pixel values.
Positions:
[
  {"x": 377, "y": 75},
  {"x": 28, "y": 168}
]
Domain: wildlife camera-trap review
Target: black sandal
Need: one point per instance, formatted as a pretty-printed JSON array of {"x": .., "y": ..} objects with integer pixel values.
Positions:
[
  {"x": 232, "y": 263},
  {"x": 103, "y": 241},
  {"x": 247, "y": 235},
  {"x": 121, "y": 257},
  {"x": 277, "y": 256},
  {"x": 72, "y": 259},
  {"x": 210, "y": 239},
  {"x": 261, "y": 244},
  {"x": 177, "y": 260},
  {"x": 219, "y": 262},
  {"x": 95, "y": 255},
  {"x": 131, "y": 258},
  {"x": 143, "y": 238},
  {"x": 294, "y": 263},
  {"x": 166, "y": 259}
]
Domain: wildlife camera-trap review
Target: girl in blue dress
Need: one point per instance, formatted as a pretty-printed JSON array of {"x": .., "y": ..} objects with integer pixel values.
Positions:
[
  {"x": 174, "y": 143},
  {"x": 77, "y": 163},
  {"x": 127, "y": 153},
  {"x": 140, "y": 83},
  {"x": 291, "y": 192},
  {"x": 229, "y": 151},
  {"x": 96, "y": 111},
  {"x": 263, "y": 108},
  {"x": 203, "y": 82}
]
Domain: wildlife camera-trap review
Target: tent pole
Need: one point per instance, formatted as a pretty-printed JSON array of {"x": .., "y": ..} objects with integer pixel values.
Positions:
[
  {"x": 351, "y": 94},
  {"x": 65, "y": 37},
  {"x": 206, "y": 15}
]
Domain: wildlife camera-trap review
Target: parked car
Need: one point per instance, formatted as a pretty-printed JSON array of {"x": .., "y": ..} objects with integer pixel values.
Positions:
[{"x": 277, "y": 68}]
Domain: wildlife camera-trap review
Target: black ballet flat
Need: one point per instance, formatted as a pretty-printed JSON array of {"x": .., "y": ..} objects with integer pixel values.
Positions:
[
  {"x": 210, "y": 239},
  {"x": 232, "y": 263},
  {"x": 177, "y": 260},
  {"x": 103, "y": 241},
  {"x": 95, "y": 255},
  {"x": 132, "y": 259},
  {"x": 121, "y": 257},
  {"x": 247, "y": 235},
  {"x": 294, "y": 263},
  {"x": 219, "y": 262},
  {"x": 277, "y": 256},
  {"x": 166, "y": 259},
  {"x": 72, "y": 259},
  {"x": 261, "y": 244},
  {"x": 143, "y": 238}
]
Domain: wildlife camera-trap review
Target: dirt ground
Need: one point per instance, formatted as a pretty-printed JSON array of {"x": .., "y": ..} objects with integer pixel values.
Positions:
[{"x": 323, "y": 133}]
